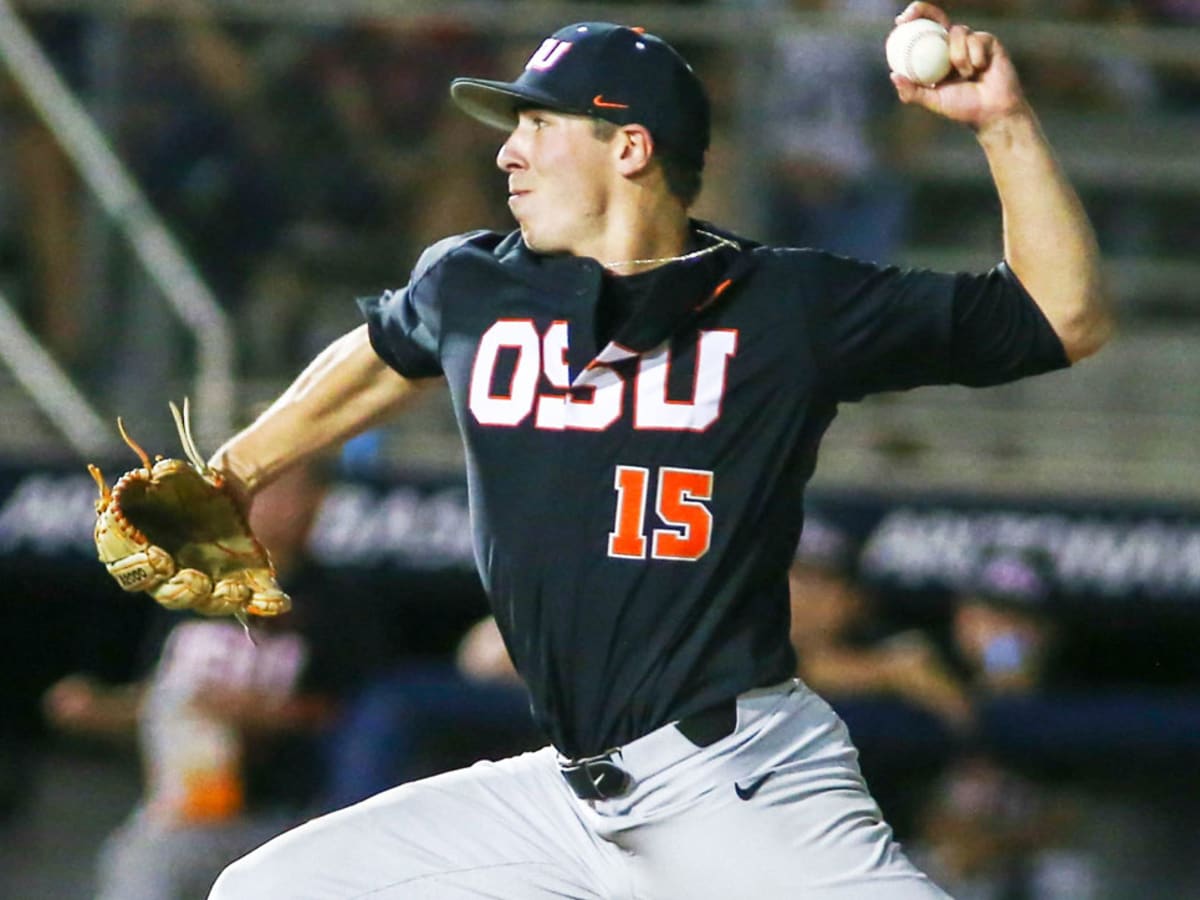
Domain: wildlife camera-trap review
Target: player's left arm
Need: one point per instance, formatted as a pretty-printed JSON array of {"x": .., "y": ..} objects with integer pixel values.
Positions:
[
  {"x": 1049, "y": 242},
  {"x": 345, "y": 390}
]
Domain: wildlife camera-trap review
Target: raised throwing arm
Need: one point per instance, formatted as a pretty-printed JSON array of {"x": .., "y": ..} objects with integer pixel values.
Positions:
[{"x": 1048, "y": 240}]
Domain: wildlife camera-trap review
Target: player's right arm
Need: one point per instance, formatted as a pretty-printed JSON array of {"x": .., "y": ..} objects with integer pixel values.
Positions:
[
  {"x": 1049, "y": 243},
  {"x": 344, "y": 391}
]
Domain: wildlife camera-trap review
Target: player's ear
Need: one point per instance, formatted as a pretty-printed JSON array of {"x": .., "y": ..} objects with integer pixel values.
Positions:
[{"x": 633, "y": 149}]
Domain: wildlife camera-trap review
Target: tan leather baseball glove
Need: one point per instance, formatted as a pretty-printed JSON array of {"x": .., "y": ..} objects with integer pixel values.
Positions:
[{"x": 174, "y": 529}]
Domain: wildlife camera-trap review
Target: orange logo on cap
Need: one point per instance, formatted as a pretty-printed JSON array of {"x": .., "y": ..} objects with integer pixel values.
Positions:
[{"x": 599, "y": 100}]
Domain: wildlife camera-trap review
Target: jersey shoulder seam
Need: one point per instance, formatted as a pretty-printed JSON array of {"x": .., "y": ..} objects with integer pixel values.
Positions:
[{"x": 440, "y": 251}]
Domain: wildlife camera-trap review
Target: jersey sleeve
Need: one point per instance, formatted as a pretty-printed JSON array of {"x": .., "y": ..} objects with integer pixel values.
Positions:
[
  {"x": 405, "y": 325},
  {"x": 399, "y": 334},
  {"x": 882, "y": 329}
]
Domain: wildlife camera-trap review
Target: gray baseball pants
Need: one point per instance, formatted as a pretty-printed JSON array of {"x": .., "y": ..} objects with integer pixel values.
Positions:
[{"x": 778, "y": 808}]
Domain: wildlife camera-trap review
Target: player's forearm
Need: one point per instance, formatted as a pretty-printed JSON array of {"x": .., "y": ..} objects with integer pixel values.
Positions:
[
  {"x": 1048, "y": 240},
  {"x": 346, "y": 390}
]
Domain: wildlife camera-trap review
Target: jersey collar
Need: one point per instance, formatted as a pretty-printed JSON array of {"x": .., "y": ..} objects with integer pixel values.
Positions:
[{"x": 671, "y": 313}]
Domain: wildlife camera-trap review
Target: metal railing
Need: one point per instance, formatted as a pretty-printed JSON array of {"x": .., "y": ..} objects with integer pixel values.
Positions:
[
  {"x": 51, "y": 388},
  {"x": 152, "y": 243}
]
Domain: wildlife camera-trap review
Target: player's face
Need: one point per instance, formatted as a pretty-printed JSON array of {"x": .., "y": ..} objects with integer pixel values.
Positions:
[{"x": 558, "y": 174}]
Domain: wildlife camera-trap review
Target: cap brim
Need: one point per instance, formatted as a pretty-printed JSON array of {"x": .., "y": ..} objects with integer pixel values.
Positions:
[{"x": 496, "y": 103}]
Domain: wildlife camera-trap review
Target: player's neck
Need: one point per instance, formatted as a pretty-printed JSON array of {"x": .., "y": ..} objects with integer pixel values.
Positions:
[{"x": 636, "y": 239}]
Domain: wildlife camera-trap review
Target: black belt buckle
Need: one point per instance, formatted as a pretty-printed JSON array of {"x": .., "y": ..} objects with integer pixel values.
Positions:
[{"x": 598, "y": 778}]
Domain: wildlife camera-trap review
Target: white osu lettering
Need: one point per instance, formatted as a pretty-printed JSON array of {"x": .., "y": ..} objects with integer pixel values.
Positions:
[
  {"x": 567, "y": 410},
  {"x": 652, "y": 409},
  {"x": 548, "y": 54},
  {"x": 513, "y": 407},
  {"x": 565, "y": 407}
]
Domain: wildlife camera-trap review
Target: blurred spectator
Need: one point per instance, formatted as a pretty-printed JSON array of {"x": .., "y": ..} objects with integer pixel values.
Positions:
[
  {"x": 41, "y": 233},
  {"x": 40, "y": 201},
  {"x": 989, "y": 833},
  {"x": 203, "y": 164},
  {"x": 229, "y": 730},
  {"x": 845, "y": 648},
  {"x": 426, "y": 717},
  {"x": 1002, "y": 632},
  {"x": 329, "y": 144},
  {"x": 1096, "y": 84},
  {"x": 830, "y": 187},
  {"x": 1178, "y": 231}
]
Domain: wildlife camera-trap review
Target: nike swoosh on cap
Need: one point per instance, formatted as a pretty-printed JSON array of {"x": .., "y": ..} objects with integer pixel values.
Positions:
[{"x": 599, "y": 100}]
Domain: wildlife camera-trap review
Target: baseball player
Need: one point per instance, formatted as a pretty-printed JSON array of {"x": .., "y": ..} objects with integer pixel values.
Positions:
[{"x": 641, "y": 397}]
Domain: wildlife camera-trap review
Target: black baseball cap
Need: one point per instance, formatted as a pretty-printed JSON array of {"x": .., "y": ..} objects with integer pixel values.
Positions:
[{"x": 611, "y": 72}]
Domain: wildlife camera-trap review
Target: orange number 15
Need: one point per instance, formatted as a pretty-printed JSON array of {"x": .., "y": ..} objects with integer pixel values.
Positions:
[{"x": 679, "y": 504}]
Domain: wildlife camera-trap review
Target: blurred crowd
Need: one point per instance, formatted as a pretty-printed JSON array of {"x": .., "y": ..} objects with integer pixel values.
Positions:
[
  {"x": 983, "y": 827},
  {"x": 301, "y": 165}
]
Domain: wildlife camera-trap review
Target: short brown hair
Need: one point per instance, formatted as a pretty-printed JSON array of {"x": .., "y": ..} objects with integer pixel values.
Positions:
[{"x": 684, "y": 177}]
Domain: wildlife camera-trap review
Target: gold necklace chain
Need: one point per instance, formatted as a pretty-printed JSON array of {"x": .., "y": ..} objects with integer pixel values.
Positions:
[{"x": 703, "y": 251}]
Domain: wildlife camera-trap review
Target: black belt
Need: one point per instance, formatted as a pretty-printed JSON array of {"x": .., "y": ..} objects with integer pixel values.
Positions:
[{"x": 599, "y": 778}]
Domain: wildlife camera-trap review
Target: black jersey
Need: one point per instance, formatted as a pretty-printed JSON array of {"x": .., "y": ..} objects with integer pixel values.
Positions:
[{"x": 636, "y": 505}]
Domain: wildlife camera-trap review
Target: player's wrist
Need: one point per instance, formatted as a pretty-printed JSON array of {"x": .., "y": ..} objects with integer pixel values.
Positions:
[
  {"x": 240, "y": 478},
  {"x": 1008, "y": 128}
]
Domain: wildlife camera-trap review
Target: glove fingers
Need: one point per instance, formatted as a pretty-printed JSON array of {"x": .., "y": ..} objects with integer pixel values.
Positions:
[
  {"x": 273, "y": 604},
  {"x": 174, "y": 530},
  {"x": 186, "y": 589},
  {"x": 268, "y": 598},
  {"x": 255, "y": 591},
  {"x": 229, "y": 595}
]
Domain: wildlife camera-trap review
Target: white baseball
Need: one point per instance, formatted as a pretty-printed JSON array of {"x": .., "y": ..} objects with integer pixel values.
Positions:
[{"x": 920, "y": 51}]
